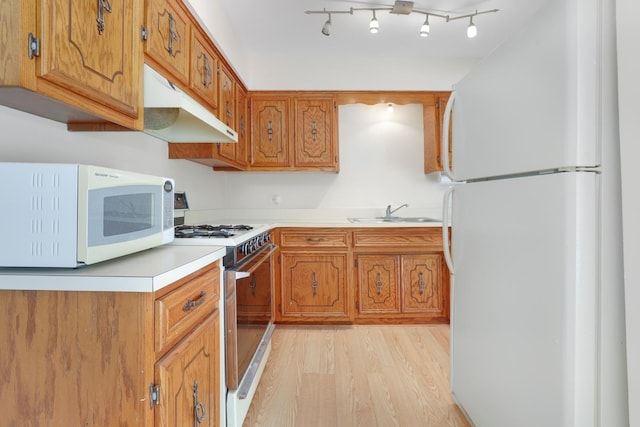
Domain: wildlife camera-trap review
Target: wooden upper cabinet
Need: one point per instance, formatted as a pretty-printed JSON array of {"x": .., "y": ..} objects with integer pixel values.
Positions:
[
  {"x": 90, "y": 49},
  {"x": 235, "y": 154},
  {"x": 433, "y": 121},
  {"x": 270, "y": 132},
  {"x": 204, "y": 66},
  {"x": 227, "y": 93},
  {"x": 315, "y": 141},
  {"x": 84, "y": 62},
  {"x": 168, "y": 37}
]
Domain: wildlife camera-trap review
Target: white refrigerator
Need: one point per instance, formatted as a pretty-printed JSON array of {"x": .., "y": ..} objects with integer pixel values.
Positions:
[{"x": 537, "y": 316}]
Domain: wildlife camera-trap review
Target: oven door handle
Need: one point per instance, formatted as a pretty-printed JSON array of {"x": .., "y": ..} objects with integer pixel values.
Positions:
[{"x": 261, "y": 256}]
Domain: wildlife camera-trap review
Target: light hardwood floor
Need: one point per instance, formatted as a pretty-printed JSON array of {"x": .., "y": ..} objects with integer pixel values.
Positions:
[{"x": 365, "y": 375}]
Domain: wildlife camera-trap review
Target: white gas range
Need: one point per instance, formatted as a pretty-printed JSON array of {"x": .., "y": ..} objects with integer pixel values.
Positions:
[{"x": 246, "y": 306}]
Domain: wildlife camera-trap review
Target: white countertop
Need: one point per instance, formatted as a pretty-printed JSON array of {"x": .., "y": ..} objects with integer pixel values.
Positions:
[
  {"x": 145, "y": 271},
  {"x": 308, "y": 217}
]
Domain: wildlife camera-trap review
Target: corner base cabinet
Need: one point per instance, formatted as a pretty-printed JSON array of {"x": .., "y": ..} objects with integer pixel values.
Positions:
[{"x": 89, "y": 358}]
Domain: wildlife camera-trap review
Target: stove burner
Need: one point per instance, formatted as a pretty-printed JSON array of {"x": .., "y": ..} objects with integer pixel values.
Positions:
[{"x": 205, "y": 230}]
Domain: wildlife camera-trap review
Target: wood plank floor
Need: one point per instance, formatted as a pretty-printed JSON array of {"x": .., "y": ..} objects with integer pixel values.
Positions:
[{"x": 364, "y": 375}]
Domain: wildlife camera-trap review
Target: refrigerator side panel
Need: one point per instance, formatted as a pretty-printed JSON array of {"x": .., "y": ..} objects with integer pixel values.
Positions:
[
  {"x": 524, "y": 313},
  {"x": 533, "y": 103}
]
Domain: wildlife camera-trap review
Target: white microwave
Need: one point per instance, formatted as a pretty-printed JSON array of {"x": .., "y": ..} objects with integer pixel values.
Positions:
[{"x": 68, "y": 215}]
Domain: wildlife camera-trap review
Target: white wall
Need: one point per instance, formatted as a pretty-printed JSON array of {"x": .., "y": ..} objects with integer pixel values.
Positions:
[{"x": 381, "y": 163}]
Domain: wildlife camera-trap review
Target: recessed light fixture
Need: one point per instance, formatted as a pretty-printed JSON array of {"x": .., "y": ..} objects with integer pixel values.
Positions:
[{"x": 401, "y": 7}]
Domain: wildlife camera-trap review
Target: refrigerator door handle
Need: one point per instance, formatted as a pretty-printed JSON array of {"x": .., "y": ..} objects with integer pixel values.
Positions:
[
  {"x": 446, "y": 247},
  {"x": 445, "y": 143}
]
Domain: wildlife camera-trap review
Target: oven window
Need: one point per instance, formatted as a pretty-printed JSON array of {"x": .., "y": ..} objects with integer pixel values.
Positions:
[{"x": 254, "y": 314}]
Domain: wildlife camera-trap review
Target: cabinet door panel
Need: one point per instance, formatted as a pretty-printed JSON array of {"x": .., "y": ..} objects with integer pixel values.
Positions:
[
  {"x": 226, "y": 109},
  {"x": 168, "y": 37},
  {"x": 378, "y": 284},
  {"x": 192, "y": 363},
  {"x": 314, "y": 284},
  {"x": 314, "y": 132},
  {"x": 270, "y": 131},
  {"x": 204, "y": 78},
  {"x": 422, "y": 278},
  {"x": 95, "y": 60}
]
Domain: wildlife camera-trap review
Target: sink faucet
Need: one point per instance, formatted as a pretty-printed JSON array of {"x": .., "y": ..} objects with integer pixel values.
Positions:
[{"x": 390, "y": 211}]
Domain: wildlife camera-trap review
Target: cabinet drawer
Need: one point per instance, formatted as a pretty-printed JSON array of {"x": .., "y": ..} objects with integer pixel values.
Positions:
[
  {"x": 417, "y": 237},
  {"x": 314, "y": 238},
  {"x": 179, "y": 311}
]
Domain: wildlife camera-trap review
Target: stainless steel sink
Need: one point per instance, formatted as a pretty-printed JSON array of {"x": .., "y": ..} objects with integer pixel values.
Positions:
[{"x": 383, "y": 219}]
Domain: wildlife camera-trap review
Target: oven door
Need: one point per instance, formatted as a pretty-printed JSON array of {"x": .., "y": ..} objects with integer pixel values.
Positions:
[{"x": 248, "y": 317}]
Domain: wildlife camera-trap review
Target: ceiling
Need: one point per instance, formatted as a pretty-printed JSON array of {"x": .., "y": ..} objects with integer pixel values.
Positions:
[{"x": 281, "y": 29}]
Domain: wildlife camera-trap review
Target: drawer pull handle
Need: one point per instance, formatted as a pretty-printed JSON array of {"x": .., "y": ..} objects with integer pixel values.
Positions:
[
  {"x": 315, "y": 239},
  {"x": 191, "y": 303},
  {"x": 421, "y": 283},
  {"x": 379, "y": 284}
]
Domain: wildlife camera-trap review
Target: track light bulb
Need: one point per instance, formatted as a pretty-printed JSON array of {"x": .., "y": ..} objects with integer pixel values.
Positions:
[
  {"x": 424, "y": 30},
  {"x": 326, "y": 28},
  {"x": 373, "y": 25},
  {"x": 472, "y": 31}
]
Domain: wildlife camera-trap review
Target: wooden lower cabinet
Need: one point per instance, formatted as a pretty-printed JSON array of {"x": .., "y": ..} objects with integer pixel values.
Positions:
[
  {"x": 314, "y": 286},
  {"x": 189, "y": 378},
  {"x": 400, "y": 275},
  {"x": 379, "y": 284},
  {"x": 361, "y": 275},
  {"x": 73, "y": 358},
  {"x": 401, "y": 286}
]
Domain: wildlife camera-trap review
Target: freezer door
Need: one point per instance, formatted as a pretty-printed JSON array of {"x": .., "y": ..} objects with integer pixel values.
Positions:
[
  {"x": 534, "y": 103},
  {"x": 523, "y": 327}
]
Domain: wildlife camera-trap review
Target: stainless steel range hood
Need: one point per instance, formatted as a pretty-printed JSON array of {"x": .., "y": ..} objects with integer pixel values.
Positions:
[{"x": 173, "y": 116}]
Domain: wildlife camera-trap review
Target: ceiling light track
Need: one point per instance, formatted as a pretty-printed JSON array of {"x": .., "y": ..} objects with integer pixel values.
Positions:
[{"x": 401, "y": 7}]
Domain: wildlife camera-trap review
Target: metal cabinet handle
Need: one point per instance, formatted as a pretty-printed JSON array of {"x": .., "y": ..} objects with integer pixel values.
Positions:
[
  {"x": 379, "y": 283},
  {"x": 270, "y": 131},
  {"x": 191, "y": 303},
  {"x": 421, "y": 283},
  {"x": 314, "y": 131},
  {"x": 314, "y": 283},
  {"x": 172, "y": 34},
  {"x": 198, "y": 409},
  {"x": 102, "y": 6},
  {"x": 207, "y": 74},
  {"x": 314, "y": 239}
]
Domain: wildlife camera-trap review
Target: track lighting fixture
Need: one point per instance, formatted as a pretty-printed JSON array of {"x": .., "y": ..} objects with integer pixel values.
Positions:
[
  {"x": 424, "y": 30},
  {"x": 472, "y": 31},
  {"x": 326, "y": 28},
  {"x": 373, "y": 25},
  {"x": 390, "y": 108},
  {"x": 401, "y": 7}
]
